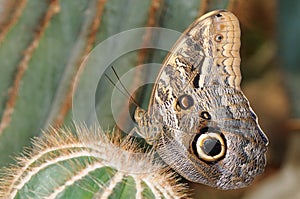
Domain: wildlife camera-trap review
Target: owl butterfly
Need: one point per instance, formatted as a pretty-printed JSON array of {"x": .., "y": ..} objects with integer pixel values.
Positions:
[{"x": 198, "y": 119}]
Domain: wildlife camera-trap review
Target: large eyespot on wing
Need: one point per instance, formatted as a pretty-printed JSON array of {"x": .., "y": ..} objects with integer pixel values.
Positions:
[
  {"x": 209, "y": 145},
  {"x": 217, "y": 158}
]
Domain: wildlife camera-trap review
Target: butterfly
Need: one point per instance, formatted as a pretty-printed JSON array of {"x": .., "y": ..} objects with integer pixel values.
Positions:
[{"x": 198, "y": 119}]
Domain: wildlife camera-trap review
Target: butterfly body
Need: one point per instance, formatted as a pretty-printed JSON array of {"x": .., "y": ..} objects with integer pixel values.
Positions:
[{"x": 198, "y": 119}]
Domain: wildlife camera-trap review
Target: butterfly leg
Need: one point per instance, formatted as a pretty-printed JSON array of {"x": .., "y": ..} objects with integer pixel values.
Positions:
[{"x": 143, "y": 134}]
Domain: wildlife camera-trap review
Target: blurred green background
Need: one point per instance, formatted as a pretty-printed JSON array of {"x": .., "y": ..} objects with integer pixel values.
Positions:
[{"x": 42, "y": 44}]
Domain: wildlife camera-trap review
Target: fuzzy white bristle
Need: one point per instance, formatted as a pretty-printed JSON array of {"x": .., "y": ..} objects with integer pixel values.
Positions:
[{"x": 81, "y": 153}]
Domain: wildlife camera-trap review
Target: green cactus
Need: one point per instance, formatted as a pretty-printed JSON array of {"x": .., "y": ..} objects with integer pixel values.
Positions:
[{"x": 87, "y": 164}]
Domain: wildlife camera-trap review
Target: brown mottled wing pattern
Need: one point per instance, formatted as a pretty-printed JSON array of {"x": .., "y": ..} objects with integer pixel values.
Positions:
[
  {"x": 208, "y": 132},
  {"x": 208, "y": 51}
]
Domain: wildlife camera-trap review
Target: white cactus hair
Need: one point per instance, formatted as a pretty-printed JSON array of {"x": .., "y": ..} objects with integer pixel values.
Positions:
[{"x": 61, "y": 144}]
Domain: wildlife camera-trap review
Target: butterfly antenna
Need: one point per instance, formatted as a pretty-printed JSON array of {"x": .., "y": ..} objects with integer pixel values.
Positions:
[
  {"x": 113, "y": 83},
  {"x": 126, "y": 93}
]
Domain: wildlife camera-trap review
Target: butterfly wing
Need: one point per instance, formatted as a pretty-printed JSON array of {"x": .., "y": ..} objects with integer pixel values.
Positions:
[
  {"x": 206, "y": 54},
  {"x": 210, "y": 133}
]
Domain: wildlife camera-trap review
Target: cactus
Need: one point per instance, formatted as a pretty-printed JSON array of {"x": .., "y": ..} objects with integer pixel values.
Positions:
[{"x": 87, "y": 164}]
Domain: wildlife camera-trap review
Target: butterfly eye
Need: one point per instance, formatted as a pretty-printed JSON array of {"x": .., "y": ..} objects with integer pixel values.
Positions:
[
  {"x": 185, "y": 102},
  {"x": 210, "y": 146},
  {"x": 218, "y": 38},
  {"x": 138, "y": 114}
]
